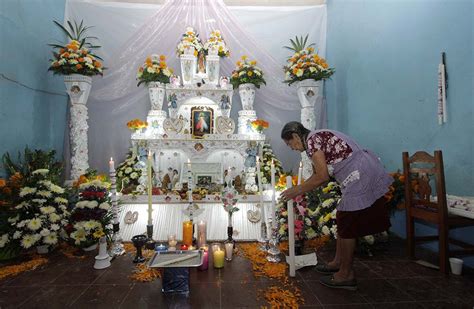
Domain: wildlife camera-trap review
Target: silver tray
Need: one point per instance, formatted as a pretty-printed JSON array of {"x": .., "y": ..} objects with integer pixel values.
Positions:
[{"x": 185, "y": 258}]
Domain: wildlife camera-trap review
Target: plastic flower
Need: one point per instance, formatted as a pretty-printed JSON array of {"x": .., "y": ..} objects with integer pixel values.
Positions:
[
  {"x": 154, "y": 69},
  {"x": 216, "y": 45},
  {"x": 190, "y": 43},
  {"x": 136, "y": 124},
  {"x": 247, "y": 72}
]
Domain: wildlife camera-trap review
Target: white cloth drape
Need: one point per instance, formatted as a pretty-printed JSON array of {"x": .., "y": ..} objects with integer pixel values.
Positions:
[{"x": 128, "y": 33}]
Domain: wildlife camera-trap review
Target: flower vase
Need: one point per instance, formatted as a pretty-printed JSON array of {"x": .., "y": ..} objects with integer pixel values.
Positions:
[
  {"x": 156, "y": 91},
  {"x": 308, "y": 92},
  {"x": 247, "y": 96},
  {"x": 90, "y": 248},
  {"x": 43, "y": 249},
  {"x": 78, "y": 88},
  {"x": 212, "y": 69},
  {"x": 188, "y": 68}
]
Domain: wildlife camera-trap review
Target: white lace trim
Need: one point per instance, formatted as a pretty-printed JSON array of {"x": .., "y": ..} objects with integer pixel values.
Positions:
[{"x": 355, "y": 175}]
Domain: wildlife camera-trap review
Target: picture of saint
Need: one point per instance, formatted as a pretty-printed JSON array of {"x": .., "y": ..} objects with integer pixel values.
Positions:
[
  {"x": 201, "y": 125},
  {"x": 201, "y": 121}
]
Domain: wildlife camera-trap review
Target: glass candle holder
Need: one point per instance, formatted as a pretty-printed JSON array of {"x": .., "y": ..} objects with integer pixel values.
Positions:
[
  {"x": 205, "y": 260},
  {"x": 229, "y": 248}
]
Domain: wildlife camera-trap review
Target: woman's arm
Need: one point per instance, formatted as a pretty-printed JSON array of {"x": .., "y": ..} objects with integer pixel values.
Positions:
[{"x": 320, "y": 176}]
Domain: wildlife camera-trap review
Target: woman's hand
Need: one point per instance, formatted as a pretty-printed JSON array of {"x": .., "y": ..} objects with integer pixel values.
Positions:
[{"x": 291, "y": 193}]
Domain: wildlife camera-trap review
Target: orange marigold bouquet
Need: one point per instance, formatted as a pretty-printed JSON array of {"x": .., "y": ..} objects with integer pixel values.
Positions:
[
  {"x": 259, "y": 125},
  {"x": 76, "y": 57},
  {"x": 154, "y": 69},
  {"x": 247, "y": 72},
  {"x": 136, "y": 124},
  {"x": 305, "y": 63}
]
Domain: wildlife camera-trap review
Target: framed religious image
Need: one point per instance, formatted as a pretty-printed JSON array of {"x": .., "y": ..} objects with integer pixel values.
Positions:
[
  {"x": 204, "y": 180},
  {"x": 202, "y": 121}
]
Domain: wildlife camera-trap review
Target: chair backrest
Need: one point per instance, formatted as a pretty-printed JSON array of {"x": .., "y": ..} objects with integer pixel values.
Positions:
[{"x": 423, "y": 173}]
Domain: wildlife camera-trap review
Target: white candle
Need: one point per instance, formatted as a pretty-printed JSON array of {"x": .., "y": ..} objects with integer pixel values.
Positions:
[
  {"x": 111, "y": 165},
  {"x": 291, "y": 231},
  {"x": 300, "y": 173},
  {"x": 150, "y": 184},
  {"x": 272, "y": 177},
  {"x": 202, "y": 234},
  {"x": 229, "y": 248},
  {"x": 259, "y": 178}
]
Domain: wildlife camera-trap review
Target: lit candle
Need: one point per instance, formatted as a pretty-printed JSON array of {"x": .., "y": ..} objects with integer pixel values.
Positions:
[
  {"x": 184, "y": 247},
  {"x": 160, "y": 248},
  {"x": 205, "y": 258},
  {"x": 172, "y": 243},
  {"x": 201, "y": 234},
  {"x": 187, "y": 233},
  {"x": 150, "y": 206},
  {"x": 111, "y": 165},
  {"x": 229, "y": 248},
  {"x": 272, "y": 176},
  {"x": 219, "y": 257},
  {"x": 291, "y": 231},
  {"x": 300, "y": 173}
]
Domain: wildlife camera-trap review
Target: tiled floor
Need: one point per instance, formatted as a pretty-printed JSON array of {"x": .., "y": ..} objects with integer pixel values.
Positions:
[{"x": 386, "y": 280}]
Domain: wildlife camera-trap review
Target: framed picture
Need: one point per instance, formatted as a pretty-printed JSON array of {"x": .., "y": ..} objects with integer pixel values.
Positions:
[
  {"x": 202, "y": 121},
  {"x": 204, "y": 180}
]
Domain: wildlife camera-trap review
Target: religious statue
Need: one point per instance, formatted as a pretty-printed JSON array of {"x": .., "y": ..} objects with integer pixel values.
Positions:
[
  {"x": 225, "y": 104},
  {"x": 201, "y": 65},
  {"x": 238, "y": 183},
  {"x": 175, "y": 179},
  {"x": 251, "y": 159},
  {"x": 172, "y": 101}
]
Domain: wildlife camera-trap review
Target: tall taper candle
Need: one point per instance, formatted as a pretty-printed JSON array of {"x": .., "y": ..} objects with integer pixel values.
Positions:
[
  {"x": 300, "y": 173},
  {"x": 272, "y": 177},
  {"x": 149, "y": 185},
  {"x": 113, "y": 190},
  {"x": 291, "y": 231},
  {"x": 202, "y": 234},
  {"x": 259, "y": 178}
]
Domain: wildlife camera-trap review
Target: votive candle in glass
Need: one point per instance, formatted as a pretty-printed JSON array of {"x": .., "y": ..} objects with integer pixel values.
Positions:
[
  {"x": 219, "y": 257},
  {"x": 188, "y": 233},
  {"x": 205, "y": 259},
  {"x": 229, "y": 248}
]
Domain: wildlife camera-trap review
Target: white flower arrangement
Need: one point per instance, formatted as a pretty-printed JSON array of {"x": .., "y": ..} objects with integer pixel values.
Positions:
[
  {"x": 216, "y": 45},
  {"x": 90, "y": 218},
  {"x": 38, "y": 212},
  {"x": 190, "y": 43}
]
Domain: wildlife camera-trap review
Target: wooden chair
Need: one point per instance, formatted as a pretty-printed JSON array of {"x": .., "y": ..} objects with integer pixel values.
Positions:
[{"x": 421, "y": 170}]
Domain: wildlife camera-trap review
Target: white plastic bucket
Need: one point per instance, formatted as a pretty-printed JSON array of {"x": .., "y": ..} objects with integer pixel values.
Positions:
[{"x": 456, "y": 265}]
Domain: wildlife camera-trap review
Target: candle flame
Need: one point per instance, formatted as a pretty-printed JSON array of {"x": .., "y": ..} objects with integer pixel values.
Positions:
[
  {"x": 111, "y": 159},
  {"x": 273, "y": 163},
  {"x": 149, "y": 153},
  {"x": 301, "y": 164}
]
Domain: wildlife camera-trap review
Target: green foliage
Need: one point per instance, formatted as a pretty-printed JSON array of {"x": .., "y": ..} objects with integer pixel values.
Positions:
[{"x": 298, "y": 44}]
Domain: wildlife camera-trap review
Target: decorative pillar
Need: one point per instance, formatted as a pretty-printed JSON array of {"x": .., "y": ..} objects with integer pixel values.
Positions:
[
  {"x": 188, "y": 67},
  {"x": 212, "y": 69},
  {"x": 245, "y": 118},
  {"x": 308, "y": 91},
  {"x": 78, "y": 88}
]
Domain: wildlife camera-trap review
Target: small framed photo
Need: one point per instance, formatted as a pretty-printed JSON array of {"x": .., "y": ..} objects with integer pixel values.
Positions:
[
  {"x": 204, "y": 180},
  {"x": 202, "y": 121}
]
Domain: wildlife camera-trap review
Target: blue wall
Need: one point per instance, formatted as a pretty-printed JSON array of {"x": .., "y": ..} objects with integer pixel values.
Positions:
[
  {"x": 32, "y": 102},
  {"x": 384, "y": 93}
]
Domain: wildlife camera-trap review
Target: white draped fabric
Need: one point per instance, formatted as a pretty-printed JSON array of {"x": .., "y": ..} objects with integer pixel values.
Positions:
[
  {"x": 168, "y": 219},
  {"x": 129, "y": 33}
]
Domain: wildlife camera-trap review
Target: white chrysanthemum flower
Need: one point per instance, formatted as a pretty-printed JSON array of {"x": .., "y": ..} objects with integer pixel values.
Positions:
[
  {"x": 60, "y": 200},
  {"x": 22, "y": 223},
  {"x": 82, "y": 204},
  {"x": 45, "y": 232},
  {"x": 27, "y": 190},
  {"x": 47, "y": 210},
  {"x": 41, "y": 171},
  {"x": 327, "y": 203},
  {"x": 62, "y": 207},
  {"x": 27, "y": 241},
  {"x": 38, "y": 201},
  {"x": 119, "y": 174},
  {"x": 325, "y": 230},
  {"x": 369, "y": 239},
  {"x": 4, "y": 240},
  {"x": 134, "y": 175},
  {"x": 264, "y": 180},
  {"x": 87, "y": 59},
  {"x": 34, "y": 224},
  {"x": 333, "y": 213},
  {"x": 14, "y": 219},
  {"x": 51, "y": 239},
  {"x": 54, "y": 217},
  {"x": 92, "y": 204},
  {"x": 128, "y": 170},
  {"x": 16, "y": 235},
  {"x": 150, "y": 70},
  {"x": 310, "y": 233},
  {"x": 307, "y": 221},
  {"x": 90, "y": 225},
  {"x": 55, "y": 227},
  {"x": 57, "y": 189},
  {"x": 44, "y": 193},
  {"x": 105, "y": 206}
]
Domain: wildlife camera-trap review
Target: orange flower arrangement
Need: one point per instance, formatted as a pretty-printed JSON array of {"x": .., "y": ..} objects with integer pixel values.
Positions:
[
  {"x": 259, "y": 125},
  {"x": 281, "y": 185},
  {"x": 136, "y": 124},
  {"x": 396, "y": 194}
]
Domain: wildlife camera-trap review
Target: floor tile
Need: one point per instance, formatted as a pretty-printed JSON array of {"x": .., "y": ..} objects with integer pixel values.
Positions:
[
  {"x": 381, "y": 291},
  {"x": 13, "y": 297},
  {"x": 101, "y": 296},
  {"x": 330, "y": 296}
]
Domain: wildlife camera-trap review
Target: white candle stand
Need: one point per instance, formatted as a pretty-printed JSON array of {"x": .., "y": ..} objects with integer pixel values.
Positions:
[{"x": 117, "y": 246}]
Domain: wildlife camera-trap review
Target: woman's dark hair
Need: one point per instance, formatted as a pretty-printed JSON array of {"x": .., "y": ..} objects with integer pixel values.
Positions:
[{"x": 294, "y": 127}]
